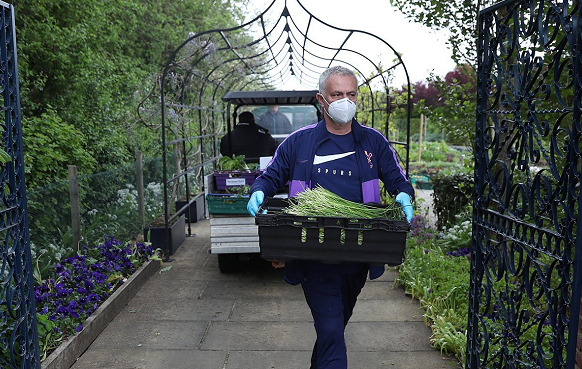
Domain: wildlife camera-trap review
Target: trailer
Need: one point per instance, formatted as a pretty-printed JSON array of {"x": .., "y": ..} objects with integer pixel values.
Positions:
[{"x": 232, "y": 230}]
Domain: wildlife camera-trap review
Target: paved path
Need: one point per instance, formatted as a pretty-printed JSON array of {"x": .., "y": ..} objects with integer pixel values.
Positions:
[{"x": 192, "y": 316}]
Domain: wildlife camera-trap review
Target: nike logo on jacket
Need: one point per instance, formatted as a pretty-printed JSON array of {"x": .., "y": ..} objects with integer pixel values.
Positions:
[{"x": 326, "y": 158}]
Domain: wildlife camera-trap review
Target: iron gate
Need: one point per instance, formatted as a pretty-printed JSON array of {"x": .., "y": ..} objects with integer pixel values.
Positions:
[
  {"x": 525, "y": 264},
  {"x": 18, "y": 330}
]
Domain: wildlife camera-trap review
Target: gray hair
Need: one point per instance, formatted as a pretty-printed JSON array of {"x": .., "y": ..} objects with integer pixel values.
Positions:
[{"x": 337, "y": 69}]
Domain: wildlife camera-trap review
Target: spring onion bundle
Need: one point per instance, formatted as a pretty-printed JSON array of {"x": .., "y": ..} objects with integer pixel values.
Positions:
[{"x": 322, "y": 202}]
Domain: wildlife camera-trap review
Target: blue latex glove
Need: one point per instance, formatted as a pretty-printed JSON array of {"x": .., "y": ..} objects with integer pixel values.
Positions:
[
  {"x": 404, "y": 199},
  {"x": 255, "y": 201}
]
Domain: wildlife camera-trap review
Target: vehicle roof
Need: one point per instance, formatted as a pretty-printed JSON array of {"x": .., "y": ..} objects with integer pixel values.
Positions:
[{"x": 271, "y": 97}]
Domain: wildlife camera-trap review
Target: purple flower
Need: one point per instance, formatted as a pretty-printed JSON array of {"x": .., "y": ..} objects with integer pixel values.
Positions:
[
  {"x": 83, "y": 282},
  {"x": 459, "y": 252},
  {"x": 59, "y": 268}
]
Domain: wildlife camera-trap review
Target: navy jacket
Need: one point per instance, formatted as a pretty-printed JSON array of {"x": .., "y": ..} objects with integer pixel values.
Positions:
[{"x": 293, "y": 163}]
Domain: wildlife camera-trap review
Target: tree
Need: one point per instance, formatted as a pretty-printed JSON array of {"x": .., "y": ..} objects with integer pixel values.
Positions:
[
  {"x": 52, "y": 145},
  {"x": 427, "y": 93},
  {"x": 458, "y": 17},
  {"x": 456, "y": 115},
  {"x": 84, "y": 62},
  {"x": 457, "y": 89}
]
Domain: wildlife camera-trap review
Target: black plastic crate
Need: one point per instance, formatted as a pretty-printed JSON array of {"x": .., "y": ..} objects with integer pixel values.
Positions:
[{"x": 288, "y": 237}]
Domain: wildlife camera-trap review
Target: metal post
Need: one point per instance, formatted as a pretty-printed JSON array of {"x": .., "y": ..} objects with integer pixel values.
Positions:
[
  {"x": 140, "y": 189},
  {"x": 420, "y": 137},
  {"x": 75, "y": 210}
]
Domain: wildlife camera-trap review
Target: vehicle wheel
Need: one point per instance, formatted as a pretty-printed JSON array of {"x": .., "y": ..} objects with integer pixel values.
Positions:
[{"x": 228, "y": 263}]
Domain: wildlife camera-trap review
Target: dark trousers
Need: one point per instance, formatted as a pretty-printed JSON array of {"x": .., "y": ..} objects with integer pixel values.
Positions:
[{"x": 331, "y": 291}]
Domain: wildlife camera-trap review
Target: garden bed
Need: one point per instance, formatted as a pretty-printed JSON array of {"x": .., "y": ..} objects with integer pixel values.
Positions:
[{"x": 68, "y": 352}]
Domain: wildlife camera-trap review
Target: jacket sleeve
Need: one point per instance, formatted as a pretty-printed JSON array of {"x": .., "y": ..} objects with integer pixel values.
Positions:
[
  {"x": 391, "y": 173},
  {"x": 276, "y": 175}
]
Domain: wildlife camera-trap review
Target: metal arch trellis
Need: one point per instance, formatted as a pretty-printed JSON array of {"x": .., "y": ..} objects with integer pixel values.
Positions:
[
  {"x": 18, "y": 325},
  {"x": 524, "y": 296},
  {"x": 277, "y": 48}
]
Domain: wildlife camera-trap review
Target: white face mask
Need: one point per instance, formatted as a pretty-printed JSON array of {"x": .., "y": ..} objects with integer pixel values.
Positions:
[{"x": 341, "y": 111}]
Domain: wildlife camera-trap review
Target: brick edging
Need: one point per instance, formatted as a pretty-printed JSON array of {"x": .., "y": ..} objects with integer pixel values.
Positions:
[{"x": 70, "y": 350}]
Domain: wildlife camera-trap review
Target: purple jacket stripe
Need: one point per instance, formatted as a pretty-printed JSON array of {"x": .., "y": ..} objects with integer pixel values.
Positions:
[
  {"x": 371, "y": 191},
  {"x": 296, "y": 186}
]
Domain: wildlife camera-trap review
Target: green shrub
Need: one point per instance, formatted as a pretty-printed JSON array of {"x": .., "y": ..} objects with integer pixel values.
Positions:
[
  {"x": 439, "y": 279},
  {"x": 452, "y": 193}
]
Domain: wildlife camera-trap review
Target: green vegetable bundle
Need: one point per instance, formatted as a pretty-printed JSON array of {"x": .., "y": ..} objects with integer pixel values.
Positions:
[{"x": 322, "y": 202}]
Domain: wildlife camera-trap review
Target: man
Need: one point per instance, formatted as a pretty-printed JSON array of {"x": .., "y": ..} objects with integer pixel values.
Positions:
[
  {"x": 348, "y": 159},
  {"x": 248, "y": 139},
  {"x": 275, "y": 122}
]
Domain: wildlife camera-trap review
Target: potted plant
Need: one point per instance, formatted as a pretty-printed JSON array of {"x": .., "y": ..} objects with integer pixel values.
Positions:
[
  {"x": 234, "y": 172},
  {"x": 195, "y": 207},
  {"x": 169, "y": 238}
]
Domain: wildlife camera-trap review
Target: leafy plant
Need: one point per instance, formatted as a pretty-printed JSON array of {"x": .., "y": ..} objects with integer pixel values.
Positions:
[
  {"x": 238, "y": 190},
  {"x": 236, "y": 162},
  {"x": 440, "y": 282},
  {"x": 452, "y": 194},
  {"x": 50, "y": 145}
]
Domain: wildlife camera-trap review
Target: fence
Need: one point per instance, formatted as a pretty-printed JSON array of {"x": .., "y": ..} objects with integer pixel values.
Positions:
[{"x": 108, "y": 203}]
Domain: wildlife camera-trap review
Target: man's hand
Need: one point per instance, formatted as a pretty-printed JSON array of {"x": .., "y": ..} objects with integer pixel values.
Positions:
[
  {"x": 404, "y": 200},
  {"x": 255, "y": 201}
]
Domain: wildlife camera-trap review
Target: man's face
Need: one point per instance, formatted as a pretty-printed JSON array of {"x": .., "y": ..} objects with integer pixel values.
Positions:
[
  {"x": 273, "y": 109},
  {"x": 339, "y": 87}
]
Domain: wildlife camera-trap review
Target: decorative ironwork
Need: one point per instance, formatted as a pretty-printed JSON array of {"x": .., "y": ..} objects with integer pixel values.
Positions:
[
  {"x": 18, "y": 329},
  {"x": 525, "y": 278}
]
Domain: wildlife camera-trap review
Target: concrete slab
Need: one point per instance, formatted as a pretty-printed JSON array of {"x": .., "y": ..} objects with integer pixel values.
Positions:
[
  {"x": 398, "y": 308},
  {"x": 241, "y": 289},
  {"x": 356, "y": 360},
  {"x": 268, "y": 359},
  {"x": 380, "y": 290},
  {"x": 263, "y": 336},
  {"x": 271, "y": 310},
  {"x": 155, "y": 335},
  {"x": 143, "y": 358},
  {"x": 400, "y": 360},
  {"x": 390, "y": 336},
  {"x": 180, "y": 309},
  {"x": 174, "y": 284}
]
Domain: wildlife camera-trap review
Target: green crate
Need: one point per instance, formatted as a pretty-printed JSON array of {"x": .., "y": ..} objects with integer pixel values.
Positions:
[
  {"x": 421, "y": 182},
  {"x": 423, "y": 185},
  {"x": 227, "y": 204}
]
